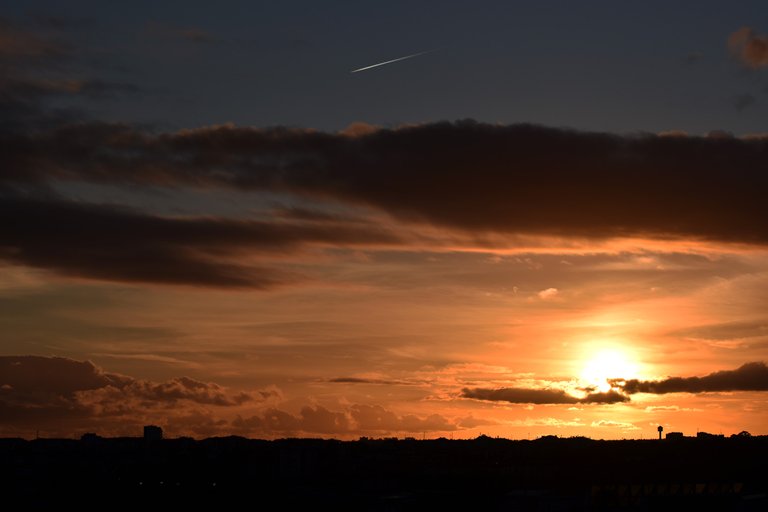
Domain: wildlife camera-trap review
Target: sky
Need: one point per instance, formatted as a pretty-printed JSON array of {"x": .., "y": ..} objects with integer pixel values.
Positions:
[{"x": 550, "y": 222}]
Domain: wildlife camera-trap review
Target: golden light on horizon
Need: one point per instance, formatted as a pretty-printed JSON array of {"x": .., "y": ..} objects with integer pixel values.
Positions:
[{"x": 607, "y": 364}]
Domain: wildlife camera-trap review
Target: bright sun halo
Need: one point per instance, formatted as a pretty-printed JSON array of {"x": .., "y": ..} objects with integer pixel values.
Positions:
[{"x": 605, "y": 365}]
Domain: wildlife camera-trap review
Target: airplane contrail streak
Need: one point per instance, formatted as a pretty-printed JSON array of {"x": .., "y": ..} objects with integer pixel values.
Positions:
[{"x": 390, "y": 61}]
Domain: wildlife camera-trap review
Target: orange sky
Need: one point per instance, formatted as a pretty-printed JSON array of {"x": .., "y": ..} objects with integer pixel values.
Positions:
[
  {"x": 391, "y": 278},
  {"x": 383, "y": 342}
]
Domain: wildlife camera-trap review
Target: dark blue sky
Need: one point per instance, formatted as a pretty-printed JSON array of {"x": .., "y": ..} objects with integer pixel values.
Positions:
[{"x": 608, "y": 66}]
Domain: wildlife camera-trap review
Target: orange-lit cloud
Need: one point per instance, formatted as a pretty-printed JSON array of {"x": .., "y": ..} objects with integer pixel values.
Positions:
[
  {"x": 46, "y": 391},
  {"x": 60, "y": 394},
  {"x": 541, "y": 396},
  {"x": 750, "y": 47},
  {"x": 359, "y": 419}
]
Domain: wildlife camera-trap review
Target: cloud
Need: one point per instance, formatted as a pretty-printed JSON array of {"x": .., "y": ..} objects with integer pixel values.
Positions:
[
  {"x": 181, "y": 388},
  {"x": 540, "y": 396},
  {"x": 750, "y": 48},
  {"x": 748, "y": 377},
  {"x": 356, "y": 419},
  {"x": 668, "y": 408},
  {"x": 520, "y": 395},
  {"x": 357, "y": 380},
  {"x": 548, "y": 294},
  {"x": 377, "y": 418},
  {"x": 469, "y": 176},
  {"x": 118, "y": 244},
  {"x": 615, "y": 424},
  {"x": 54, "y": 375},
  {"x": 472, "y": 422},
  {"x": 725, "y": 331},
  {"x": 65, "y": 394},
  {"x": 607, "y": 397}
]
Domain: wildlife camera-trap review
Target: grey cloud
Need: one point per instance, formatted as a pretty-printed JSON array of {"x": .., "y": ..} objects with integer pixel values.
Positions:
[
  {"x": 540, "y": 396},
  {"x": 357, "y": 380},
  {"x": 748, "y": 377},
  {"x": 520, "y": 395}
]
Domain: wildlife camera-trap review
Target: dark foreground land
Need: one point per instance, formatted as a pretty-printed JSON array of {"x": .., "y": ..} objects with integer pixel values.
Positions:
[{"x": 308, "y": 474}]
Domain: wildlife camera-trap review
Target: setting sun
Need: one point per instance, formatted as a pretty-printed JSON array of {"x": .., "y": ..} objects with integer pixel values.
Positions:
[{"x": 605, "y": 365}]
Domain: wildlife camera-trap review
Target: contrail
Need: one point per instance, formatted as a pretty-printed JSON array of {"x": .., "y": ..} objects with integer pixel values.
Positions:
[{"x": 390, "y": 61}]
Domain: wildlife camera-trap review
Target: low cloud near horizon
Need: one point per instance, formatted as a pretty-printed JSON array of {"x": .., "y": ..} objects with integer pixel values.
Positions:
[
  {"x": 748, "y": 377},
  {"x": 64, "y": 397}
]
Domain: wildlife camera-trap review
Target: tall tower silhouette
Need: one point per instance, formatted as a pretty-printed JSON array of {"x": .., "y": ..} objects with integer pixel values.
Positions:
[{"x": 660, "y": 429}]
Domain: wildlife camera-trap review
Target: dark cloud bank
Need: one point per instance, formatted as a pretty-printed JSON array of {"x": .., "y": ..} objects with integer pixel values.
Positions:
[
  {"x": 471, "y": 177},
  {"x": 464, "y": 175},
  {"x": 748, "y": 377},
  {"x": 106, "y": 242}
]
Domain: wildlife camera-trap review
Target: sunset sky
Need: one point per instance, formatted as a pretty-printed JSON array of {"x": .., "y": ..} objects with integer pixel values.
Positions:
[{"x": 555, "y": 222}]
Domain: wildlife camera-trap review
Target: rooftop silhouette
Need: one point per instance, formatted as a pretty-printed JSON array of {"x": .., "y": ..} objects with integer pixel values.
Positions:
[{"x": 706, "y": 472}]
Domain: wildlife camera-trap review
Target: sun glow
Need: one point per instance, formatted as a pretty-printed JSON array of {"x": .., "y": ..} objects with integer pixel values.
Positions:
[{"x": 605, "y": 365}]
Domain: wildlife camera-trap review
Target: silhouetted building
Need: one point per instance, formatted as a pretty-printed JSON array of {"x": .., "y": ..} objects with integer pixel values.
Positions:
[
  {"x": 675, "y": 435},
  {"x": 386, "y": 474},
  {"x": 152, "y": 433},
  {"x": 90, "y": 437},
  {"x": 707, "y": 435}
]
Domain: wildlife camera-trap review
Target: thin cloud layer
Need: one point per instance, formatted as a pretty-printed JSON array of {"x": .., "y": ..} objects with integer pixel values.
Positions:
[
  {"x": 464, "y": 175},
  {"x": 104, "y": 242},
  {"x": 358, "y": 418},
  {"x": 37, "y": 66},
  {"x": 748, "y": 377},
  {"x": 540, "y": 396}
]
